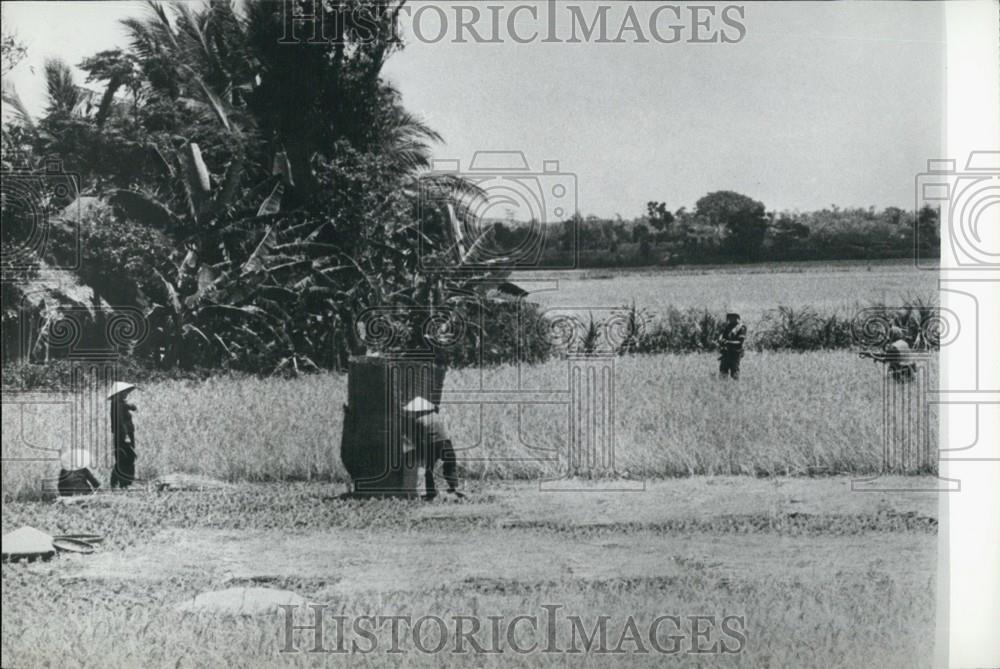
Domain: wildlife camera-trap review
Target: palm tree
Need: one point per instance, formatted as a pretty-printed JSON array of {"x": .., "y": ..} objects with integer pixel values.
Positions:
[{"x": 288, "y": 178}]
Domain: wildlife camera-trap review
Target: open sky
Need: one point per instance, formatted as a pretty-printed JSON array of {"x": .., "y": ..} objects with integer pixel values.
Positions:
[{"x": 818, "y": 104}]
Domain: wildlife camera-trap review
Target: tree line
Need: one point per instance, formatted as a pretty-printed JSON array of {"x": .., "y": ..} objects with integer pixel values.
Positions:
[{"x": 728, "y": 227}]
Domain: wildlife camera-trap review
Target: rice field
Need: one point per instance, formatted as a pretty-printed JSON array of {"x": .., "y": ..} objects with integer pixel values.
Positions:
[
  {"x": 790, "y": 414},
  {"x": 829, "y": 287}
]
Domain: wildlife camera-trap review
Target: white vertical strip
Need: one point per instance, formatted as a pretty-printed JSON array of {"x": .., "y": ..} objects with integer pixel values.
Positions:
[{"x": 971, "y": 517}]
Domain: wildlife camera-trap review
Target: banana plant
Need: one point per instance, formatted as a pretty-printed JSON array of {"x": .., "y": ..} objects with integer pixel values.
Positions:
[{"x": 209, "y": 288}]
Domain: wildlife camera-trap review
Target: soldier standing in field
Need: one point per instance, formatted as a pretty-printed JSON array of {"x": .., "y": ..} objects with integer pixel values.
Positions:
[
  {"x": 123, "y": 433},
  {"x": 432, "y": 444},
  {"x": 734, "y": 333}
]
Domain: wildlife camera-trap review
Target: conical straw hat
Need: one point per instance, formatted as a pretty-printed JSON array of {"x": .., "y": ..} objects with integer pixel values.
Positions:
[
  {"x": 119, "y": 387},
  {"x": 418, "y": 404},
  {"x": 27, "y": 542},
  {"x": 76, "y": 458}
]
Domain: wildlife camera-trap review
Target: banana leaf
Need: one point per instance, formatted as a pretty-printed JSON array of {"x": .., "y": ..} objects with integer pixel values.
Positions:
[{"x": 272, "y": 205}]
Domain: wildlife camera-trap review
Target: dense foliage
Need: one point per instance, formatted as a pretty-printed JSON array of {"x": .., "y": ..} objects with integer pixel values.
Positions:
[{"x": 252, "y": 198}]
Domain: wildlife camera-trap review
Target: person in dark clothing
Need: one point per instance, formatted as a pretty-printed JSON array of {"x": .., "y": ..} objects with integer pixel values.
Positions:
[
  {"x": 123, "y": 433},
  {"x": 904, "y": 335},
  {"x": 77, "y": 482},
  {"x": 730, "y": 343},
  {"x": 432, "y": 444},
  {"x": 75, "y": 477}
]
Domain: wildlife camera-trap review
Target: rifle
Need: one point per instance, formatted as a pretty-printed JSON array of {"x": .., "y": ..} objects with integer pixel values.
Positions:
[{"x": 877, "y": 357}]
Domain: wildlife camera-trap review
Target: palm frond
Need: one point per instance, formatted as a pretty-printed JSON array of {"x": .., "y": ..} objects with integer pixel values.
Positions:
[
  {"x": 63, "y": 93},
  {"x": 11, "y": 97}
]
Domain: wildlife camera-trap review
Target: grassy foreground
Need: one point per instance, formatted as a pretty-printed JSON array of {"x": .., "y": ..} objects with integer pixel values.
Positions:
[
  {"x": 821, "y": 576},
  {"x": 790, "y": 414}
]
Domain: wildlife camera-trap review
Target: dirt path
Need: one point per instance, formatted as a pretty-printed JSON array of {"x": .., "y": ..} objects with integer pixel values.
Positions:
[{"x": 789, "y": 529}]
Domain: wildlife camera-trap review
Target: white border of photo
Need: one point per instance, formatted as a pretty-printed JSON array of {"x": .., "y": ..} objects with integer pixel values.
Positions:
[{"x": 969, "y": 553}]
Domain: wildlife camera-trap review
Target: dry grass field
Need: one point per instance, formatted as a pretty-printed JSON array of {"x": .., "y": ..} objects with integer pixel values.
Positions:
[{"x": 790, "y": 414}]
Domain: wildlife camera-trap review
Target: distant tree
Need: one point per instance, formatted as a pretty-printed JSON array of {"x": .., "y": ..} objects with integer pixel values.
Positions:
[
  {"x": 645, "y": 250},
  {"x": 893, "y": 215},
  {"x": 503, "y": 236},
  {"x": 608, "y": 234},
  {"x": 659, "y": 216},
  {"x": 640, "y": 233},
  {"x": 743, "y": 219},
  {"x": 787, "y": 236},
  {"x": 928, "y": 231}
]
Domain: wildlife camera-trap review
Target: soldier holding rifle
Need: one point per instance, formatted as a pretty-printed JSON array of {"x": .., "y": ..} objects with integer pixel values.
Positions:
[
  {"x": 895, "y": 354},
  {"x": 730, "y": 341}
]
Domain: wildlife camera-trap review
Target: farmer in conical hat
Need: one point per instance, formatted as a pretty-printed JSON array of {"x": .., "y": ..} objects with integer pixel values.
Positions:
[
  {"x": 123, "y": 432},
  {"x": 432, "y": 444},
  {"x": 75, "y": 477}
]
